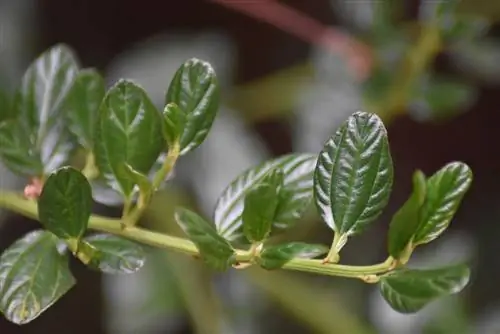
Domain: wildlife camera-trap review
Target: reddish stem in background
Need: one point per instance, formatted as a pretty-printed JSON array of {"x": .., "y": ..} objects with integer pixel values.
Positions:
[
  {"x": 33, "y": 189},
  {"x": 286, "y": 18}
]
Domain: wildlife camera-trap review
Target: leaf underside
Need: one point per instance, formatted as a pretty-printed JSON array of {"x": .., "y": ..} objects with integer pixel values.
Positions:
[
  {"x": 408, "y": 290},
  {"x": 297, "y": 169}
]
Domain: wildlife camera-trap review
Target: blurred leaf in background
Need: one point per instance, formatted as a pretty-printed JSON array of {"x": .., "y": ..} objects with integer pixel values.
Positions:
[
  {"x": 478, "y": 59},
  {"x": 437, "y": 98}
]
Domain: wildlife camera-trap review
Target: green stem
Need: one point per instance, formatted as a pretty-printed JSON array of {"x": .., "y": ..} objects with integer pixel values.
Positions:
[
  {"x": 168, "y": 165},
  {"x": 337, "y": 243},
  {"x": 28, "y": 208},
  {"x": 90, "y": 170},
  {"x": 131, "y": 216}
]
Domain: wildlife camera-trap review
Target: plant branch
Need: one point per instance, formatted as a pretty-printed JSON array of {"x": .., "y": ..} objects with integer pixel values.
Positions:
[
  {"x": 288, "y": 19},
  {"x": 416, "y": 60},
  {"x": 15, "y": 202},
  {"x": 90, "y": 170},
  {"x": 168, "y": 165},
  {"x": 131, "y": 216}
]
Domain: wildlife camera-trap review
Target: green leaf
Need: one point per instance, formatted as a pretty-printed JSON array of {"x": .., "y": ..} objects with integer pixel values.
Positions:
[
  {"x": 174, "y": 120},
  {"x": 353, "y": 176},
  {"x": 33, "y": 276},
  {"x": 275, "y": 257},
  {"x": 408, "y": 291},
  {"x": 214, "y": 249},
  {"x": 438, "y": 98},
  {"x": 117, "y": 255},
  {"x": 129, "y": 132},
  {"x": 445, "y": 190},
  {"x": 405, "y": 221},
  {"x": 141, "y": 180},
  {"x": 38, "y": 106},
  {"x": 65, "y": 204},
  {"x": 195, "y": 90},
  {"x": 296, "y": 193},
  {"x": 15, "y": 149},
  {"x": 260, "y": 206},
  {"x": 83, "y": 104}
]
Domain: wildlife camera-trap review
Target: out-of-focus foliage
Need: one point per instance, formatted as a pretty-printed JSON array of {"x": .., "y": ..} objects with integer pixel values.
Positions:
[{"x": 283, "y": 92}]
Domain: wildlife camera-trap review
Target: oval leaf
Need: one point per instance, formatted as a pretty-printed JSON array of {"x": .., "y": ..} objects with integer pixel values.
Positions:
[
  {"x": 65, "y": 204},
  {"x": 353, "y": 176},
  {"x": 408, "y": 291},
  {"x": 117, "y": 255},
  {"x": 275, "y": 257},
  {"x": 129, "y": 132},
  {"x": 82, "y": 105},
  {"x": 260, "y": 206},
  {"x": 38, "y": 105},
  {"x": 405, "y": 221},
  {"x": 33, "y": 276},
  {"x": 445, "y": 190},
  {"x": 195, "y": 90},
  {"x": 214, "y": 250},
  {"x": 295, "y": 195}
]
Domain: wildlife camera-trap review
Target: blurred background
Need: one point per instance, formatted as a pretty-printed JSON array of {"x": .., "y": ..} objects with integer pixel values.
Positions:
[{"x": 291, "y": 71}]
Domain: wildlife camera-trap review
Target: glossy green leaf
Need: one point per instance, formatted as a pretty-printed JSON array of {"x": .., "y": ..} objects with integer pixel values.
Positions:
[
  {"x": 214, "y": 249},
  {"x": 408, "y": 290},
  {"x": 129, "y": 132},
  {"x": 117, "y": 255},
  {"x": 405, "y": 221},
  {"x": 275, "y": 257},
  {"x": 65, "y": 204},
  {"x": 438, "y": 98},
  {"x": 33, "y": 276},
  {"x": 445, "y": 190},
  {"x": 295, "y": 195},
  {"x": 195, "y": 90},
  {"x": 38, "y": 105},
  {"x": 353, "y": 176},
  {"x": 260, "y": 206},
  {"x": 174, "y": 120},
  {"x": 82, "y": 106}
]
